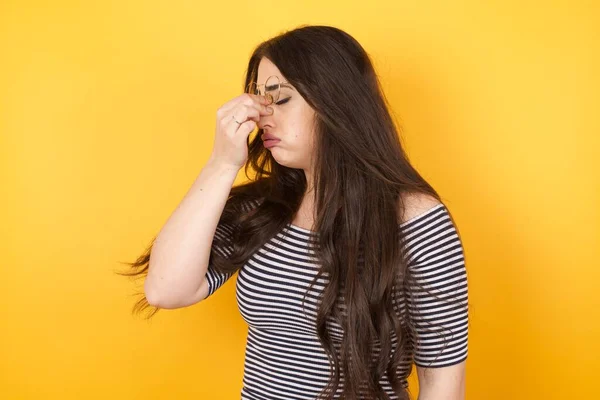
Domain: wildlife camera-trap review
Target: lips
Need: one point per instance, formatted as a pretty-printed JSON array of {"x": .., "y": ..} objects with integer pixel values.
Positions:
[
  {"x": 269, "y": 140},
  {"x": 270, "y": 143},
  {"x": 268, "y": 136}
]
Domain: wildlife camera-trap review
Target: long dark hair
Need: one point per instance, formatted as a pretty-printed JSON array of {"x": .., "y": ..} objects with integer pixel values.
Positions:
[{"x": 362, "y": 175}]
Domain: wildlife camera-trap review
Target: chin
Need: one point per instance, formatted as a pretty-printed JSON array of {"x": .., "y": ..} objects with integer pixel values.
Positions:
[
  {"x": 282, "y": 160},
  {"x": 280, "y": 156}
]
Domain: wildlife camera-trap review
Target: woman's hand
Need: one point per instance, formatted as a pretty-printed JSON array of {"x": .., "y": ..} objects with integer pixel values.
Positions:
[{"x": 230, "y": 146}]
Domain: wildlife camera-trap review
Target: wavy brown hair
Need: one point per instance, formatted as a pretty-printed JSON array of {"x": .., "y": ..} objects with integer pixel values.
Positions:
[{"x": 362, "y": 175}]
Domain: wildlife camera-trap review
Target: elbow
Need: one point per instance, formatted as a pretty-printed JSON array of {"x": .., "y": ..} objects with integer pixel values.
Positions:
[
  {"x": 152, "y": 295},
  {"x": 166, "y": 299},
  {"x": 155, "y": 300},
  {"x": 157, "y": 296},
  {"x": 155, "y": 291}
]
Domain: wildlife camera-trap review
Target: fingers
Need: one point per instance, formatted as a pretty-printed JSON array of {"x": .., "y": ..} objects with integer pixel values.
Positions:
[
  {"x": 238, "y": 117},
  {"x": 246, "y": 109},
  {"x": 256, "y": 101},
  {"x": 242, "y": 115},
  {"x": 246, "y": 127},
  {"x": 232, "y": 119}
]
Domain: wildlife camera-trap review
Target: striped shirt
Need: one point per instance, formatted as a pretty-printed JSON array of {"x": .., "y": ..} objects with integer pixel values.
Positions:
[{"x": 284, "y": 358}]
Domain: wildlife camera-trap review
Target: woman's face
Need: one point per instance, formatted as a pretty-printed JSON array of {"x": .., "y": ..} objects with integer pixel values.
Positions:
[{"x": 291, "y": 122}]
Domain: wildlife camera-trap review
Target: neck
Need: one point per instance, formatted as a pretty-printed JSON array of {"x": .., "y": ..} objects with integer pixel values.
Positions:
[{"x": 309, "y": 182}]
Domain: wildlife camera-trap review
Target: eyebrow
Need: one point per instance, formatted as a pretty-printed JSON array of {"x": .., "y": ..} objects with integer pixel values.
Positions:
[{"x": 281, "y": 84}]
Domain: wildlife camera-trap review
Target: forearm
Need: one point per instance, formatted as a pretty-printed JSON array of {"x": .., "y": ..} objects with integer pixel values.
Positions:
[
  {"x": 442, "y": 392},
  {"x": 180, "y": 254},
  {"x": 440, "y": 396}
]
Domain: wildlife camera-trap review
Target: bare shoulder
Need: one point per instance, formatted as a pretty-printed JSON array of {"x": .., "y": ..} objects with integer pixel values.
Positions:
[{"x": 416, "y": 204}]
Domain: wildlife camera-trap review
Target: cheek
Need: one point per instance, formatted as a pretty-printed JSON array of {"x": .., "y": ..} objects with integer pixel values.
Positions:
[
  {"x": 303, "y": 135},
  {"x": 304, "y": 127},
  {"x": 296, "y": 127},
  {"x": 299, "y": 126}
]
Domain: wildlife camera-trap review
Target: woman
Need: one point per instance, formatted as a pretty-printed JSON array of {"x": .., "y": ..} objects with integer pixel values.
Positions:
[{"x": 350, "y": 266}]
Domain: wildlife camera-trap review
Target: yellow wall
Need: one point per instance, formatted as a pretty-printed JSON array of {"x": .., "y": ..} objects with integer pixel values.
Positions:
[{"x": 107, "y": 115}]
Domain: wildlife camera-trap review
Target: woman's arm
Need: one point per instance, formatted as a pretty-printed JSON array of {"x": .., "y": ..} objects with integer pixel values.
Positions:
[
  {"x": 180, "y": 254},
  {"x": 446, "y": 383},
  {"x": 439, "y": 305}
]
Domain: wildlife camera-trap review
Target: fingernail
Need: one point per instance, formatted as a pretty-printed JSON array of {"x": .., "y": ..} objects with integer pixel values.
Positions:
[{"x": 270, "y": 109}]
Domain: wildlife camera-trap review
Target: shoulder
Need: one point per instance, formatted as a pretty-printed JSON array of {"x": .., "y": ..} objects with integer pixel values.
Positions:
[{"x": 412, "y": 205}]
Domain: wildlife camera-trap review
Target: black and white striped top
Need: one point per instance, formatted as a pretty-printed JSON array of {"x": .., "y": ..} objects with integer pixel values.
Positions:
[{"x": 284, "y": 359}]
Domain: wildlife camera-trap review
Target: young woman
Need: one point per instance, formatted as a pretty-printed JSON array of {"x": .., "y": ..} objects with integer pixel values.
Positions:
[{"x": 350, "y": 267}]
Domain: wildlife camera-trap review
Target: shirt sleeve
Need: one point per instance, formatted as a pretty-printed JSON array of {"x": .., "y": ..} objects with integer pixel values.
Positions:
[
  {"x": 215, "y": 278},
  {"x": 438, "y": 298}
]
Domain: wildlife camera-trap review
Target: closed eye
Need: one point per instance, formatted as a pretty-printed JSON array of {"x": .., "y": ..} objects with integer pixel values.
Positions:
[{"x": 283, "y": 101}]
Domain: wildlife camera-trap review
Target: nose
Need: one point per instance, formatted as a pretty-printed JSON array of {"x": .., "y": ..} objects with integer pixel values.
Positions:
[{"x": 266, "y": 120}]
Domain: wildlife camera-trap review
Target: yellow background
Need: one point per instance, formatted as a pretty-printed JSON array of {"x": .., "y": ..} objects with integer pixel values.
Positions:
[{"x": 107, "y": 114}]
